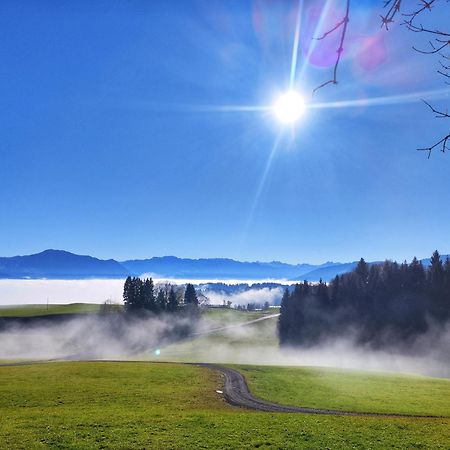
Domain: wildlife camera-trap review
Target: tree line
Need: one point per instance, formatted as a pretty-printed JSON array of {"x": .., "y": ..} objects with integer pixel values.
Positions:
[
  {"x": 380, "y": 304},
  {"x": 142, "y": 296}
]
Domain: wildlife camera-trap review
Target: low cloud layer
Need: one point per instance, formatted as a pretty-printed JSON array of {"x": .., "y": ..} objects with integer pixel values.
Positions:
[
  {"x": 259, "y": 296},
  {"x": 20, "y": 292},
  {"x": 220, "y": 340}
]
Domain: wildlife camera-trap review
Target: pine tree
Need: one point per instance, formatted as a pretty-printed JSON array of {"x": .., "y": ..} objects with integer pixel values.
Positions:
[
  {"x": 283, "y": 319},
  {"x": 417, "y": 276},
  {"x": 322, "y": 295},
  {"x": 172, "y": 302},
  {"x": 362, "y": 269},
  {"x": 436, "y": 270},
  {"x": 149, "y": 303},
  {"x": 128, "y": 292},
  {"x": 161, "y": 300},
  {"x": 190, "y": 296},
  {"x": 138, "y": 293},
  {"x": 436, "y": 285}
]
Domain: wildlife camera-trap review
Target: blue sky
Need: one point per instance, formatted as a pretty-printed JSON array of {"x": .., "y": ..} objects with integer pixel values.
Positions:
[{"x": 112, "y": 145}]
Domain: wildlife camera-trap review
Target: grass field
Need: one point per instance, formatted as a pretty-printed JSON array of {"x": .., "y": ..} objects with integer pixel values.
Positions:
[
  {"x": 233, "y": 345},
  {"x": 43, "y": 310},
  {"x": 229, "y": 315},
  {"x": 350, "y": 390},
  {"x": 144, "y": 405}
]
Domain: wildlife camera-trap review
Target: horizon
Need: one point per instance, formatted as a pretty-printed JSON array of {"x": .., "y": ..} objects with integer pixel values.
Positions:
[{"x": 329, "y": 261}]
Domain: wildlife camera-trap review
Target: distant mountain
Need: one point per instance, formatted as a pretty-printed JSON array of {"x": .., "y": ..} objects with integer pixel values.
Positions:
[
  {"x": 216, "y": 268},
  {"x": 59, "y": 264},
  {"x": 326, "y": 273},
  {"x": 65, "y": 265}
]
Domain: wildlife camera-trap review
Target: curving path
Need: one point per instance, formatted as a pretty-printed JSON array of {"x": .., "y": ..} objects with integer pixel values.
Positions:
[{"x": 237, "y": 393}]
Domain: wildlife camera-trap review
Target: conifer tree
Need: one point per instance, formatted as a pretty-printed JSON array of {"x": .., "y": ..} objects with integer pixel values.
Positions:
[
  {"x": 161, "y": 300},
  {"x": 172, "y": 302},
  {"x": 149, "y": 295},
  {"x": 190, "y": 296}
]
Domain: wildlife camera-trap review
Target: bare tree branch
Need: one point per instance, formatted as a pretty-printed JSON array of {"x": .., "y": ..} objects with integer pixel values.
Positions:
[
  {"x": 439, "y": 43},
  {"x": 443, "y": 143},
  {"x": 439, "y": 114},
  {"x": 343, "y": 25}
]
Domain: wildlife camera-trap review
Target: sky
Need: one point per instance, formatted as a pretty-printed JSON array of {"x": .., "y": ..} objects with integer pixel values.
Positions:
[{"x": 122, "y": 134}]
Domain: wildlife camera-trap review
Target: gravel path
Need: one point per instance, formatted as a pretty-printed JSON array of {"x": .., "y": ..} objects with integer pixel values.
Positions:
[{"x": 237, "y": 393}]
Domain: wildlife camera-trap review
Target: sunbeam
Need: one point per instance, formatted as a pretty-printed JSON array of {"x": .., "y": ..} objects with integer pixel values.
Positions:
[
  {"x": 295, "y": 46},
  {"x": 340, "y": 104},
  {"x": 260, "y": 188},
  {"x": 382, "y": 101},
  {"x": 313, "y": 43}
]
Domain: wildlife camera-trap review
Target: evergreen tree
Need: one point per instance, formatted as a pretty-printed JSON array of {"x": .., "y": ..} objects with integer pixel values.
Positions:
[
  {"x": 417, "y": 275},
  {"x": 362, "y": 269},
  {"x": 148, "y": 295},
  {"x": 172, "y": 302},
  {"x": 190, "y": 296},
  {"x": 161, "y": 300},
  {"x": 138, "y": 293},
  {"x": 322, "y": 295},
  {"x": 436, "y": 285},
  {"x": 283, "y": 319},
  {"x": 128, "y": 299}
]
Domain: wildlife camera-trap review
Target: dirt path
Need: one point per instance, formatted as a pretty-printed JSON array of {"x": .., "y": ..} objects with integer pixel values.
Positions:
[{"x": 237, "y": 393}]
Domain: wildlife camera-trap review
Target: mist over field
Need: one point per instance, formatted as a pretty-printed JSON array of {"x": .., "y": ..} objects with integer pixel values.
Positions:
[
  {"x": 257, "y": 295},
  {"x": 252, "y": 341},
  {"x": 428, "y": 355},
  {"x": 89, "y": 337}
]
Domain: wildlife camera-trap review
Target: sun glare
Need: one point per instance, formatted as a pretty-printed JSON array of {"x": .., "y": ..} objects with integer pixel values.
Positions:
[{"x": 289, "y": 107}]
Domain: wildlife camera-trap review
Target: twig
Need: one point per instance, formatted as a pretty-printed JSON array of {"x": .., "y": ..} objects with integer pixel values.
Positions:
[{"x": 341, "y": 24}]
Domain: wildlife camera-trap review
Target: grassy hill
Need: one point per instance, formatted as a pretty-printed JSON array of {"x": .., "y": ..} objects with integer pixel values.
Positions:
[
  {"x": 81, "y": 405},
  {"x": 44, "y": 310},
  {"x": 350, "y": 390},
  {"x": 229, "y": 342}
]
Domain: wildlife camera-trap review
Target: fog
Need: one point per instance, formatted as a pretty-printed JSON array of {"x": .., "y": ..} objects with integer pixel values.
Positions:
[
  {"x": 115, "y": 337},
  {"x": 20, "y": 292},
  {"x": 430, "y": 355},
  {"x": 111, "y": 335},
  {"x": 259, "y": 296}
]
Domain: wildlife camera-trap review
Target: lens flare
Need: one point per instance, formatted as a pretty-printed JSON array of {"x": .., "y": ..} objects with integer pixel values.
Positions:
[{"x": 289, "y": 107}]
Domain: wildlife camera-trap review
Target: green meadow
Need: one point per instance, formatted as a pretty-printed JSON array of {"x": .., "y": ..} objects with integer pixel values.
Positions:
[
  {"x": 350, "y": 390},
  {"x": 44, "y": 310},
  {"x": 119, "y": 405}
]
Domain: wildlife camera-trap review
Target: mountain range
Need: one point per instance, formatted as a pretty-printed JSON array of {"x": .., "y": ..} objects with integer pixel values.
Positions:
[{"x": 60, "y": 264}]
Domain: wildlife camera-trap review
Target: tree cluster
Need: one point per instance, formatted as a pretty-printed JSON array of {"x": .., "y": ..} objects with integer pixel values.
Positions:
[
  {"x": 142, "y": 296},
  {"x": 254, "y": 307},
  {"x": 382, "y": 304}
]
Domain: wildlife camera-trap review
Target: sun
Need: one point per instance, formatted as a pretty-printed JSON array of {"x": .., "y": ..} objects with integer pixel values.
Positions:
[{"x": 289, "y": 107}]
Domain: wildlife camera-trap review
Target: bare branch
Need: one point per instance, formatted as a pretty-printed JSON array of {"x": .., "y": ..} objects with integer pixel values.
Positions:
[
  {"x": 443, "y": 143},
  {"x": 394, "y": 8},
  {"x": 343, "y": 25},
  {"x": 439, "y": 114},
  {"x": 439, "y": 43}
]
